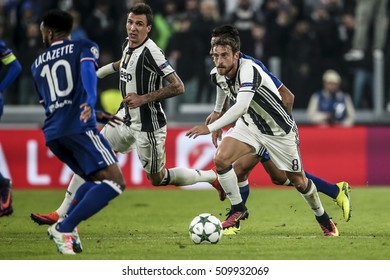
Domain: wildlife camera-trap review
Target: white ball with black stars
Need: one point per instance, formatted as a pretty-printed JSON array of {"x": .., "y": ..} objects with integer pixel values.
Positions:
[{"x": 205, "y": 229}]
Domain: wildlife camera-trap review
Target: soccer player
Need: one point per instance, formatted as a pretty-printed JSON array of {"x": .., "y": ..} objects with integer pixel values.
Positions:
[
  {"x": 145, "y": 78},
  {"x": 243, "y": 166},
  {"x": 14, "y": 68},
  {"x": 65, "y": 79},
  {"x": 261, "y": 121}
]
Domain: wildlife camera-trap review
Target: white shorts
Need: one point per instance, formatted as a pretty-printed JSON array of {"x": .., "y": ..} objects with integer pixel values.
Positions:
[
  {"x": 150, "y": 145},
  {"x": 283, "y": 150}
]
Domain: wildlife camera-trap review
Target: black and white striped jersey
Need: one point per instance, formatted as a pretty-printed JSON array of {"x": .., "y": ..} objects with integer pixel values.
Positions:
[
  {"x": 142, "y": 70},
  {"x": 266, "y": 109}
]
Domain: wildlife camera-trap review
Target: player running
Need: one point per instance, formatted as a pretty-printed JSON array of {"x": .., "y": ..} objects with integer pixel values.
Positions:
[
  {"x": 65, "y": 79},
  {"x": 338, "y": 192},
  {"x": 146, "y": 78},
  {"x": 261, "y": 120}
]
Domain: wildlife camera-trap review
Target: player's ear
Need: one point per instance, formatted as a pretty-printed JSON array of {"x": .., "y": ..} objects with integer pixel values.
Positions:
[{"x": 50, "y": 34}]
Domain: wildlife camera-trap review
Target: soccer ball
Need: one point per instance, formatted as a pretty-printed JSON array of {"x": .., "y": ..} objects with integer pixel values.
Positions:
[{"x": 205, "y": 229}]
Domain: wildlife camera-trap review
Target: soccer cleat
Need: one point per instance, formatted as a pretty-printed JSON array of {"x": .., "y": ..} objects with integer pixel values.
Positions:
[
  {"x": 344, "y": 200},
  {"x": 231, "y": 230},
  {"x": 218, "y": 187},
  {"x": 63, "y": 241},
  {"x": 6, "y": 198},
  {"x": 327, "y": 226},
  {"x": 45, "y": 219},
  {"x": 77, "y": 247},
  {"x": 233, "y": 217}
]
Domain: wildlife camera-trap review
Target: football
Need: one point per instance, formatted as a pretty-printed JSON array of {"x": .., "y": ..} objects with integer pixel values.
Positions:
[{"x": 205, "y": 229}]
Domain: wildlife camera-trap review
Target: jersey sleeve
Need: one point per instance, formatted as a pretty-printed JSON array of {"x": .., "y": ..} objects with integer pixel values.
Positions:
[
  {"x": 278, "y": 83},
  {"x": 249, "y": 77},
  {"x": 6, "y": 55},
  {"x": 89, "y": 51},
  {"x": 159, "y": 62}
]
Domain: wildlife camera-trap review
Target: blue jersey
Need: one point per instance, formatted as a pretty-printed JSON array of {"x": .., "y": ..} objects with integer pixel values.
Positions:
[
  {"x": 276, "y": 81},
  {"x": 5, "y": 53},
  {"x": 57, "y": 77}
]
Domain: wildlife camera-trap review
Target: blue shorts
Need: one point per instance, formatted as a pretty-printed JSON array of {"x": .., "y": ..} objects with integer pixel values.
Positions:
[
  {"x": 264, "y": 156},
  {"x": 85, "y": 153}
]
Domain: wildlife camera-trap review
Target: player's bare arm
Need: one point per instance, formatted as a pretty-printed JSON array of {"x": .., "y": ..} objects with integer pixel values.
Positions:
[
  {"x": 175, "y": 87},
  {"x": 107, "y": 118},
  {"x": 217, "y": 135},
  {"x": 287, "y": 98}
]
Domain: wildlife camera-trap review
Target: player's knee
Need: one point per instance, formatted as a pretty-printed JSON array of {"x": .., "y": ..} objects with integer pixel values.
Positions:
[
  {"x": 221, "y": 162},
  {"x": 155, "y": 183}
]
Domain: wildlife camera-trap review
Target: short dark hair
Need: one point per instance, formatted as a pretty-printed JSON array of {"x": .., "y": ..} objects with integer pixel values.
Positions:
[
  {"x": 143, "y": 9},
  {"x": 227, "y": 40},
  {"x": 227, "y": 30},
  {"x": 58, "y": 20}
]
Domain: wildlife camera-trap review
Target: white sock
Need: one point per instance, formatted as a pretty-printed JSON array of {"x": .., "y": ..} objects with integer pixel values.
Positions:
[
  {"x": 181, "y": 176},
  {"x": 313, "y": 200},
  {"x": 229, "y": 184},
  {"x": 74, "y": 184},
  {"x": 243, "y": 183},
  {"x": 287, "y": 183}
]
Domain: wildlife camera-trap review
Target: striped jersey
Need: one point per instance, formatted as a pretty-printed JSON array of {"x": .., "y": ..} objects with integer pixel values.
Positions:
[
  {"x": 142, "y": 70},
  {"x": 57, "y": 78},
  {"x": 276, "y": 81},
  {"x": 266, "y": 109}
]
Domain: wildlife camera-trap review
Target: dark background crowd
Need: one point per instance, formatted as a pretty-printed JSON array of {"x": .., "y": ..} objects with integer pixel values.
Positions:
[{"x": 297, "y": 39}]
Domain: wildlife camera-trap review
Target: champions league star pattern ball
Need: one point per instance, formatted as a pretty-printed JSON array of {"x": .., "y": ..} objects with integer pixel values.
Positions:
[{"x": 205, "y": 229}]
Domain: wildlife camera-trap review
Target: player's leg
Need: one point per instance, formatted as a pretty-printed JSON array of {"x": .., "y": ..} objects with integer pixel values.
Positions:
[
  {"x": 242, "y": 167},
  {"x": 286, "y": 156},
  {"x": 92, "y": 158},
  {"x": 53, "y": 217},
  {"x": 230, "y": 150},
  {"x": 151, "y": 151},
  {"x": 339, "y": 192},
  {"x": 5, "y": 196},
  {"x": 120, "y": 139},
  {"x": 309, "y": 192}
]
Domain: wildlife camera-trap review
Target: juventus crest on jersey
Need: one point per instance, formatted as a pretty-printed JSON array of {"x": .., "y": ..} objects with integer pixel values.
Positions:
[{"x": 142, "y": 70}]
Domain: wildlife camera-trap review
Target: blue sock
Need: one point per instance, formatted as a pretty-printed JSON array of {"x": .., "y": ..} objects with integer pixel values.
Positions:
[
  {"x": 323, "y": 186},
  {"x": 81, "y": 191},
  {"x": 95, "y": 199},
  {"x": 244, "y": 191}
]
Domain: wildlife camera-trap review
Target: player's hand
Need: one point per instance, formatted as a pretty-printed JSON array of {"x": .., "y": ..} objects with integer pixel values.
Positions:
[
  {"x": 107, "y": 118},
  {"x": 198, "y": 130},
  {"x": 216, "y": 136},
  {"x": 134, "y": 100},
  {"x": 212, "y": 117},
  {"x": 86, "y": 113}
]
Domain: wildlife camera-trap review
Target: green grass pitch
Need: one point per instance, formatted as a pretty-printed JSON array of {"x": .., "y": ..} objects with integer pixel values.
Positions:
[{"x": 153, "y": 225}]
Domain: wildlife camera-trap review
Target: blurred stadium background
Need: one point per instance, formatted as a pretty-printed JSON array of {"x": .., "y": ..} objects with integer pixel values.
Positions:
[{"x": 297, "y": 39}]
